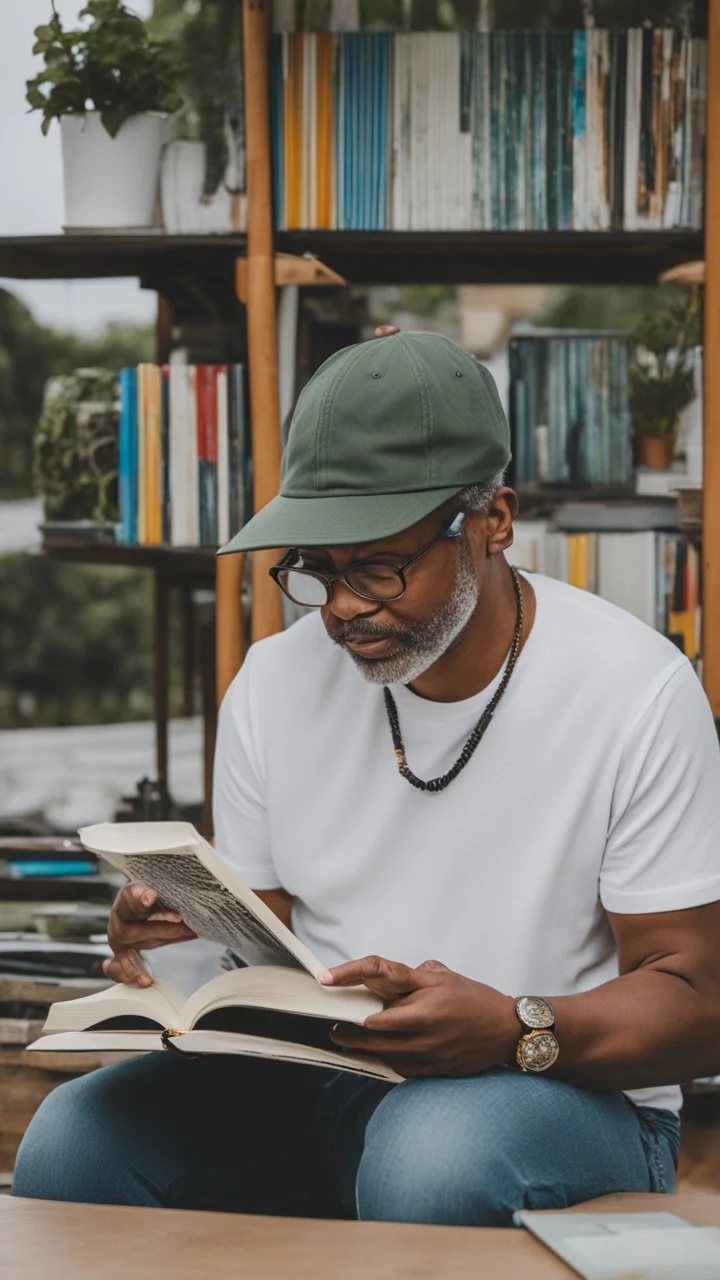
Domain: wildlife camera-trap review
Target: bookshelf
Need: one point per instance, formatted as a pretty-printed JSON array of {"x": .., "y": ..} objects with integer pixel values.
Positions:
[
  {"x": 202, "y": 272},
  {"x": 170, "y": 264}
]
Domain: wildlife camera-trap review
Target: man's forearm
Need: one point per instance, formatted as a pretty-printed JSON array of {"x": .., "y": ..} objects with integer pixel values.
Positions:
[{"x": 645, "y": 1028}]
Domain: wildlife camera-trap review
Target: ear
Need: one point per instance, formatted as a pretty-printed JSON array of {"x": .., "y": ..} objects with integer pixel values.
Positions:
[{"x": 499, "y": 521}]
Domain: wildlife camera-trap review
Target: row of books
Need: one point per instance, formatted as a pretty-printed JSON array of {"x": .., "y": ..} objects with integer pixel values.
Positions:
[
  {"x": 569, "y": 411},
  {"x": 653, "y": 575},
  {"x": 489, "y": 130},
  {"x": 184, "y": 463}
]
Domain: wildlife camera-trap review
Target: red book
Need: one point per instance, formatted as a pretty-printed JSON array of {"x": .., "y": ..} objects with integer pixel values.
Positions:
[{"x": 211, "y": 433}]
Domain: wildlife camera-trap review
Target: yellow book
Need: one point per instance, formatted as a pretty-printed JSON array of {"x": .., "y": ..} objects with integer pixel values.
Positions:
[
  {"x": 153, "y": 493},
  {"x": 578, "y": 561},
  {"x": 324, "y": 147},
  {"x": 293, "y": 133}
]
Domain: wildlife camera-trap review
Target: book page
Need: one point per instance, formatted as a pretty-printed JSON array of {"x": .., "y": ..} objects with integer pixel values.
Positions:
[
  {"x": 190, "y": 877},
  {"x": 98, "y": 1042},
  {"x": 160, "y": 1003},
  {"x": 286, "y": 990},
  {"x": 279, "y": 1050}
]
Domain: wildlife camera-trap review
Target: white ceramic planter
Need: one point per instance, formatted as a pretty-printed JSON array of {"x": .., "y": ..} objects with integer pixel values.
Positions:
[
  {"x": 184, "y": 208},
  {"x": 111, "y": 182}
]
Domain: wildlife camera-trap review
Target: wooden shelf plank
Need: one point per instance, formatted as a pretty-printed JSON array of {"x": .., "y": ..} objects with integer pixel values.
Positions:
[
  {"x": 375, "y": 257},
  {"x": 180, "y": 561}
]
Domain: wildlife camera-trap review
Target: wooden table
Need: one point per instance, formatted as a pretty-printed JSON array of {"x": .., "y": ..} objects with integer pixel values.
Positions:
[{"x": 41, "y": 1239}]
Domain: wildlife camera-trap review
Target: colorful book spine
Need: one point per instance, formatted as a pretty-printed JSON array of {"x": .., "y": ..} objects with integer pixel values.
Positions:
[{"x": 494, "y": 130}]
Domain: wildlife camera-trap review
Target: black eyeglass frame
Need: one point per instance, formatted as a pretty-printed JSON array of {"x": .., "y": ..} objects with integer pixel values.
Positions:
[{"x": 451, "y": 531}]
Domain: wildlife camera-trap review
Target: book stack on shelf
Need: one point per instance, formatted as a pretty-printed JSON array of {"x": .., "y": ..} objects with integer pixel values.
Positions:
[
  {"x": 653, "y": 574},
  {"x": 569, "y": 411},
  {"x": 587, "y": 130},
  {"x": 183, "y": 454}
]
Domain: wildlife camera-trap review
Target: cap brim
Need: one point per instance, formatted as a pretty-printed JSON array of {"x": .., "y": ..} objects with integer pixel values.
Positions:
[{"x": 335, "y": 521}]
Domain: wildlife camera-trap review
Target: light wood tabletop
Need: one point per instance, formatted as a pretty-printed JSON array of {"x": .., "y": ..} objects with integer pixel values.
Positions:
[{"x": 40, "y": 1239}]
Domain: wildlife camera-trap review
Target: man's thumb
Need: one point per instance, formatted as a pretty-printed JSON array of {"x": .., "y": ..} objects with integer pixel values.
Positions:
[{"x": 434, "y": 964}]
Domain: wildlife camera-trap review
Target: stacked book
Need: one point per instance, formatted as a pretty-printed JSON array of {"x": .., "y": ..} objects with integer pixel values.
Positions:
[
  {"x": 183, "y": 454},
  {"x": 652, "y": 574},
  {"x": 587, "y": 130},
  {"x": 569, "y": 411}
]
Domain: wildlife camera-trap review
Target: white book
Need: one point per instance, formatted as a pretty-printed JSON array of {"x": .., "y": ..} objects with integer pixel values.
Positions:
[
  {"x": 592, "y": 186},
  {"x": 273, "y": 1008},
  {"x": 627, "y": 573},
  {"x": 604, "y": 219},
  {"x": 192, "y": 498},
  {"x": 223, "y": 456},
  {"x": 419, "y": 105},
  {"x": 655, "y": 1246},
  {"x": 632, "y": 128}
]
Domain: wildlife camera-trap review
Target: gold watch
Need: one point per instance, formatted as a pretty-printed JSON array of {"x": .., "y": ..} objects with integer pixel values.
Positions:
[{"x": 537, "y": 1049}]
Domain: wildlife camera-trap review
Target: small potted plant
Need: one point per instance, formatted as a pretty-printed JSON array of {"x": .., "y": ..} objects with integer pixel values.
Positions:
[
  {"x": 76, "y": 453},
  {"x": 113, "y": 88},
  {"x": 661, "y": 380}
]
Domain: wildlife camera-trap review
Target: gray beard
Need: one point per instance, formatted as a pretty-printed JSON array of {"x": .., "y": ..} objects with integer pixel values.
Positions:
[{"x": 423, "y": 643}]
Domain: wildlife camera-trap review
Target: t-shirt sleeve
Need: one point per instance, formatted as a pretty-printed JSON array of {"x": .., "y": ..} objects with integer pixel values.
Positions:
[
  {"x": 240, "y": 817},
  {"x": 663, "y": 846}
]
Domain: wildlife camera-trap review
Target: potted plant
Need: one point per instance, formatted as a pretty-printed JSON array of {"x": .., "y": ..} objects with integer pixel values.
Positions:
[
  {"x": 76, "y": 449},
  {"x": 661, "y": 379},
  {"x": 113, "y": 88}
]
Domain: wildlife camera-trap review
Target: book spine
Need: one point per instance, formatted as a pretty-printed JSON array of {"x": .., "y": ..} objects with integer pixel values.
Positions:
[
  {"x": 579, "y": 219},
  {"x": 125, "y": 454},
  {"x": 165, "y": 459},
  {"x": 223, "y": 454}
]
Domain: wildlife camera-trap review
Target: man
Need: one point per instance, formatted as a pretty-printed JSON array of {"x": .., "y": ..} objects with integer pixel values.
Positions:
[{"x": 493, "y": 799}]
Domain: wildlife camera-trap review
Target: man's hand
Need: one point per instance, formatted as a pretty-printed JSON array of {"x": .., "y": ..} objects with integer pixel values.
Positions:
[
  {"x": 136, "y": 925},
  {"x": 436, "y": 1023}
]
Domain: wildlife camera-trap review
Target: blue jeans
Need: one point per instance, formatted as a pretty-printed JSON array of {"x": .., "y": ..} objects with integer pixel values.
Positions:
[{"x": 260, "y": 1137}]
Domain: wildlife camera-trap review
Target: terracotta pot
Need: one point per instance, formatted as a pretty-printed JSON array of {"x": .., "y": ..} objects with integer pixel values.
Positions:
[{"x": 655, "y": 451}]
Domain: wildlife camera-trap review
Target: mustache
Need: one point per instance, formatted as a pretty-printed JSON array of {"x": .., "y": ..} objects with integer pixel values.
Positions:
[{"x": 363, "y": 628}]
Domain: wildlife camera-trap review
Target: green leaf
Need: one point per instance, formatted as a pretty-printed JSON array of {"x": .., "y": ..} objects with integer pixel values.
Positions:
[
  {"x": 112, "y": 120},
  {"x": 44, "y": 33}
]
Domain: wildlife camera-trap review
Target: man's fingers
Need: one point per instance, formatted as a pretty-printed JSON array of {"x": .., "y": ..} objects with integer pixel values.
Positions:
[
  {"x": 385, "y": 330},
  {"x": 127, "y": 969},
  {"x": 387, "y": 978},
  {"x": 135, "y": 902},
  {"x": 147, "y": 934}
]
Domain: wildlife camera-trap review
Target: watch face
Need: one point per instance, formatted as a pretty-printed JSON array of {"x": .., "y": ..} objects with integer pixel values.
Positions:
[
  {"x": 538, "y": 1051},
  {"x": 535, "y": 1012}
]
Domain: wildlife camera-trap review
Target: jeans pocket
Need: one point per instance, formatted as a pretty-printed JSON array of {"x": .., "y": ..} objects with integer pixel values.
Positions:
[{"x": 660, "y": 1136}]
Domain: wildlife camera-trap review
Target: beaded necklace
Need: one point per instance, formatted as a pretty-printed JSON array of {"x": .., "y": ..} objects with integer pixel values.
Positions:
[{"x": 439, "y": 784}]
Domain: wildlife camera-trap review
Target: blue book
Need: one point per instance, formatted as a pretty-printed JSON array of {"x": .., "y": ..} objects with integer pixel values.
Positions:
[
  {"x": 47, "y": 867},
  {"x": 538, "y": 131},
  {"x": 127, "y": 456},
  {"x": 512, "y": 144},
  {"x": 580, "y": 209}
]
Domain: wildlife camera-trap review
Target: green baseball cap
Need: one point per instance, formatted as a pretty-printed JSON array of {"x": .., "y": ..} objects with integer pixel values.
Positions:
[{"x": 382, "y": 434}]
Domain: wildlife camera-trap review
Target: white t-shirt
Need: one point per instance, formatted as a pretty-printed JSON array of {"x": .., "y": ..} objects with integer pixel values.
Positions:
[{"x": 597, "y": 785}]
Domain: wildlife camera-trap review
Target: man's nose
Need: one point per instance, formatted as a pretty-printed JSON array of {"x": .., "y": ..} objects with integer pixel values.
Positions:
[{"x": 345, "y": 604}]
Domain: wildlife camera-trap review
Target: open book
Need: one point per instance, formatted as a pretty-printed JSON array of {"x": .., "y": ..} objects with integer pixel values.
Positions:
[{"x": 274, "y": 1008}]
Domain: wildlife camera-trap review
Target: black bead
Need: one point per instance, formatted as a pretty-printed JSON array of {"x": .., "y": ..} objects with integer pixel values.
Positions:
[{"x": 439, "y": 784}]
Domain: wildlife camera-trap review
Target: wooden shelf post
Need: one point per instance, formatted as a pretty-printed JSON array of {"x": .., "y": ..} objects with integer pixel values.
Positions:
[
  {"x": 267, "y": 614},
  {"x": 711, "y": 366}
]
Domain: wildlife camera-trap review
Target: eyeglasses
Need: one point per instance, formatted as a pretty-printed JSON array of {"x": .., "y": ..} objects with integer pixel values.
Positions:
[{"x": 369, "y": 579}]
